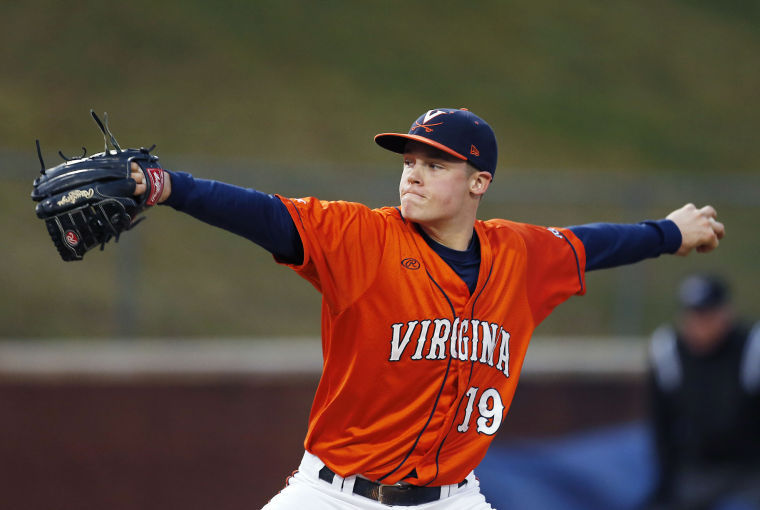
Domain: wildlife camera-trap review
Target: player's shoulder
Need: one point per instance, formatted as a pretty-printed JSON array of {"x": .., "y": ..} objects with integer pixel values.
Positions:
[
  {"x": 538, "y": 240},
  {"x": 340, "y": 210},
  {"x": 497, "y": 224},
  {"x": 502, "y": 227},
  {"x": 304, "y": 203}
]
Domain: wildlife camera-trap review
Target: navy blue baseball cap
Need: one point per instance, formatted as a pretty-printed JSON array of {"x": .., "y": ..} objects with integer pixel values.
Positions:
[{"x": 458, "y": 132}]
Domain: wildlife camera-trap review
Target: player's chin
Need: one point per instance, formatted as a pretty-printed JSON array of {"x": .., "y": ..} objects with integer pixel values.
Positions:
[{"x": 411, "y": 210}]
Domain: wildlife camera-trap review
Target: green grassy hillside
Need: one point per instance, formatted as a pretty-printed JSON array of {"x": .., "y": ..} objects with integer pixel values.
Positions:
[
  {"x": 637, "y": 86},
  {"x": 286, "y": 96}
]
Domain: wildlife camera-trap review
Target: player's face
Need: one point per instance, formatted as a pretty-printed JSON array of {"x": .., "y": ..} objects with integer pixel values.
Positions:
[{"x": 434, "y": 187}]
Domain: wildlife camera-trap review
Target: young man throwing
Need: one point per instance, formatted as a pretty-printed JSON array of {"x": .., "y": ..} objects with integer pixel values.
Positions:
[{"x": 426, "y": 311}]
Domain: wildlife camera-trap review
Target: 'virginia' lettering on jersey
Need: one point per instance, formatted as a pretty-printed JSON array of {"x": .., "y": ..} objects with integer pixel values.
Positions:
[{"x": 467, "y": 339}]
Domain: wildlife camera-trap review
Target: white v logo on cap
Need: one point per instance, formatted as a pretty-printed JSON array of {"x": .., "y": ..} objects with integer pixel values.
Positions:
[{"x": 431, "y": 114}]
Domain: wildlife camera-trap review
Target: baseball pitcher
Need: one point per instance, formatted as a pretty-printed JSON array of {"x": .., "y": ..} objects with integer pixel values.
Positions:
[{"x": 427, "y": 311}]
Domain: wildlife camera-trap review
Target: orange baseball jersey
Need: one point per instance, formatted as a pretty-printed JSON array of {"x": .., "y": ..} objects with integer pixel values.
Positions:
[{"x": 419, "y": 373}]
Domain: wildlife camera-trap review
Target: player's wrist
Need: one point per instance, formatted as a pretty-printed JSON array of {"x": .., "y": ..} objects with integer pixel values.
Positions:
[{"x": 167, "y": 188}]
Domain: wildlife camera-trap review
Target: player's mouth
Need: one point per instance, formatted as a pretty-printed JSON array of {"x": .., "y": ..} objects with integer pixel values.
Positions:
[{"x": 411, "y": 193}]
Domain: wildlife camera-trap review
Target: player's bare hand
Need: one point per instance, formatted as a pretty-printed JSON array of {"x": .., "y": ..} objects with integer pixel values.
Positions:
[
  {"x": 139, "y": 177},
  {"x": 699, "y": 228}
]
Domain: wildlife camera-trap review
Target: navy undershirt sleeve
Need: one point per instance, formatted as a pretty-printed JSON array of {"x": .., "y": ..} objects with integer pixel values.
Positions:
[
  {"x": 264, "y": 219},
  {"x": 257, "y": 216},
  {"x": 617, "y": 244}
]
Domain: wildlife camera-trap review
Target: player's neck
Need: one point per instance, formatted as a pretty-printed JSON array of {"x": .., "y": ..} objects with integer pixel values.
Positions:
[{"x": 454, "y": 237}]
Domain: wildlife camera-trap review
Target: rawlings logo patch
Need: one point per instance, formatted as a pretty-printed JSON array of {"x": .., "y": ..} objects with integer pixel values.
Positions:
[
  {"x": 71, "y": 238},
  {"x": 156, "y": 176},
  {"x": 410, "y": 263},
  {"x": 72, "y": 196}
]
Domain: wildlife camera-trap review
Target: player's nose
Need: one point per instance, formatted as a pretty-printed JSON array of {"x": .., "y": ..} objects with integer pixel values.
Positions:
[{"x": 413, "y": 174}]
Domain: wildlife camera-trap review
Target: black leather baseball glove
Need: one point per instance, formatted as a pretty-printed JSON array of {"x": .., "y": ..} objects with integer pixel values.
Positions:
[{"x": 86, "y": 201}]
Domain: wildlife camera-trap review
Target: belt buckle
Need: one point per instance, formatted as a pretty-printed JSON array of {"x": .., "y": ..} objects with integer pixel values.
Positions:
[
  {"x": 386, "y": 493},
  {"x": 381, "y": 494}
]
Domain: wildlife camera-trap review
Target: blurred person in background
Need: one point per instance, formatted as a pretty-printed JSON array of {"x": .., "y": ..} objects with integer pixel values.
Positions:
[{"x": 704, "y": 383}]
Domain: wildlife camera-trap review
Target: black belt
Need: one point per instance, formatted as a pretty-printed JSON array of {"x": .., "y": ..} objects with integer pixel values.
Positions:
[{"x": 401, "y": 495}]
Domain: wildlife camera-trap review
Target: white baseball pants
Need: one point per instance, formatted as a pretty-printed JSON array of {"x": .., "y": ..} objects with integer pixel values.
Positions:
[{"x": 306, "y": 490}]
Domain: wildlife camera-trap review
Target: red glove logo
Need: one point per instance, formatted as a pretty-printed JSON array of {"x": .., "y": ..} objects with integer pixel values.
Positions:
[
  {"x": 72, "y": 239},
  {"x": 156, "y": 176}
]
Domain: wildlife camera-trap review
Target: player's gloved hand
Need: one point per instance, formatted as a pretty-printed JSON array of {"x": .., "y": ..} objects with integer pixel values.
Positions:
[
  {"x": 699, "y": 228},
  {"x": 89, "y": 200}
]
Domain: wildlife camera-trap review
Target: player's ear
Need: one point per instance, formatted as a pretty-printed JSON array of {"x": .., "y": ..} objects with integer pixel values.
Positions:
[{"x": 479, "y": 182}]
